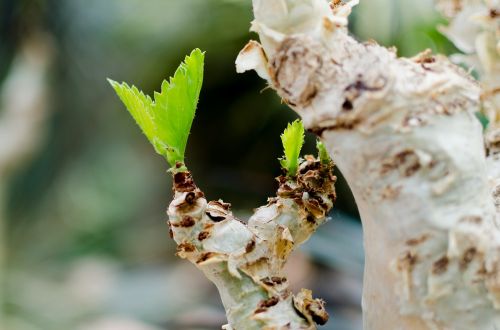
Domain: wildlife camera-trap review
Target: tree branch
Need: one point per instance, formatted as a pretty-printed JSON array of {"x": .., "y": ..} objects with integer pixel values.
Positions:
[{"x": 245, "y": 261}]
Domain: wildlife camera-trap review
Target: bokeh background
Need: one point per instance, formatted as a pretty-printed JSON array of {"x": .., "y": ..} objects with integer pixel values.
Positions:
[{"x": 83, "y": 239}]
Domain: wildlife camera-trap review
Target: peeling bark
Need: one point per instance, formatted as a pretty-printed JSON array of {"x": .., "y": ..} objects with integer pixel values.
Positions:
[
  {"x": 245, "y": 260},
  {"x": 404, "y": 134}
]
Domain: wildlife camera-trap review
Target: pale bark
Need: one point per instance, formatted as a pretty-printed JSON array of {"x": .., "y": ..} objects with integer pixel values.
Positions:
[
  {"x": 474, "y": 28},
  {"x": 245, "y": 260},
  {"x": 404, "y": 134}
]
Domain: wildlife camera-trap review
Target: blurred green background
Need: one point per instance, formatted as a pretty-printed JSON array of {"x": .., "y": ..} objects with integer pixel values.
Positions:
[{"x": 83, "y": 239}]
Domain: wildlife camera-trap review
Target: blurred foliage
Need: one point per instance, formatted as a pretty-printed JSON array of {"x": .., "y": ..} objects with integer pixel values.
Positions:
[{"x": 87, "y": 244}]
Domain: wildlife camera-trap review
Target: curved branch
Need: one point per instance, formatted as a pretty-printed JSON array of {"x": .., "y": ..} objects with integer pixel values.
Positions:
[{"x": 245, "y": 261}]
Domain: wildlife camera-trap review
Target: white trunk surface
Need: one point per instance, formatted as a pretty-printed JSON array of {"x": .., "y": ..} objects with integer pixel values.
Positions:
[{"x": 404, "y": 134}]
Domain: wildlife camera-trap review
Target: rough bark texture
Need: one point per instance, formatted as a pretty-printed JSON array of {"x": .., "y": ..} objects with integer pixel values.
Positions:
[
  {"x": 245, "y": 260},
  {"x": 404, "y": 133},
  {"x": 474, "y": 28}
]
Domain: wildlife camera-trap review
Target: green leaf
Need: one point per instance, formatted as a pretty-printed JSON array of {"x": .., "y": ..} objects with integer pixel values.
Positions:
[
  {"x": 138, "y": 105},
  {"x": 323, "y": 155},
  {"x": 167, "y": 120},
  {"x": 292, "y": 139}
]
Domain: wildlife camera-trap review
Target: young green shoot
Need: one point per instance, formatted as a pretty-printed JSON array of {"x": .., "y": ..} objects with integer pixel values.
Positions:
[
  {"x": 166, "y": 121},
  {"x": 323, "y": 155},
  {"x": 292, "y": 139}
]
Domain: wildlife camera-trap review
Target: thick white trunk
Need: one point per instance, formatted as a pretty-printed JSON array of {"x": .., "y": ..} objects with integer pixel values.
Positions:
[
  {"x": 404, "y": 134},
  {"x": 430, "y": 234}
]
